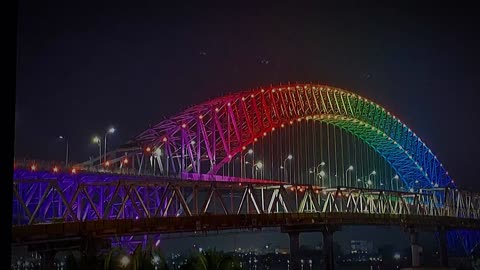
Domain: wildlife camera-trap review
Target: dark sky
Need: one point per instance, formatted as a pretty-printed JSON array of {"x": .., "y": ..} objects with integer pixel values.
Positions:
[{"x": 85, "y": 66}]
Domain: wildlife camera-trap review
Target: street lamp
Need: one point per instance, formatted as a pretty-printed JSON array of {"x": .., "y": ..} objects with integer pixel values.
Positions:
[
  {"x": 396, "y": 177},
  {"x": 257, "y": 166},
  {"x": 66, "y": 154},
  {"x": 244, "y": 171},
  {"x": 322, "y": 174},
  {"x": 369, "y": 182},
  {"x": 289, "y": 157},
  {"x": 110, "y": 131},
  {"x": 350, "y": 168},
  {"x": 314, "y": 170},
  {"x": 97, "y": 140}
]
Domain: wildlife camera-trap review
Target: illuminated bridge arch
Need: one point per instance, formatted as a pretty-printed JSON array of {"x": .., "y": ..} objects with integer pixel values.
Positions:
[{"x": 216, "y": 131}]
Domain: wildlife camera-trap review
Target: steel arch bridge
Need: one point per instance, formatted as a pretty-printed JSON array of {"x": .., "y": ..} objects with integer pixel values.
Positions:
[{"x": 157, "y": 174}]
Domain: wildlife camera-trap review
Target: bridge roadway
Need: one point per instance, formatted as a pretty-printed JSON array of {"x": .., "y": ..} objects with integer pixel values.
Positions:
[{"x": 306, "y": 221}]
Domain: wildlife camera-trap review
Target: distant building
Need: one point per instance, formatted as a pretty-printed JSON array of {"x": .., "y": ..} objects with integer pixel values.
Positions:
[
  {"x": 361, "y": 247},
  {"x": 282, "y": 251}
]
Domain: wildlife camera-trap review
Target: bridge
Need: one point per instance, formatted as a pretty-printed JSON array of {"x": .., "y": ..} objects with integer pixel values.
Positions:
[{"x": 300, "y": 157}]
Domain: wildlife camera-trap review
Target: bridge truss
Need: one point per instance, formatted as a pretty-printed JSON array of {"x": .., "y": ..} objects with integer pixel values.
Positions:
[{"x": 50, "y": 198}]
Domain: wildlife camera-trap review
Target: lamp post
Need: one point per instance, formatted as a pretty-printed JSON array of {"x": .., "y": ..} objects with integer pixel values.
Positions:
[
  {"x": 321, "y": 174},
  {"x": 369, "y": 182},
  {"x": 66, "y": 154},
  {"x": 289, "y": 157},
  {"x": 258, "y": 166},
  {"x": 315, "y": 171},
  {"x": 242, "y": 162},
  {"x": 110, "y": 131},
  {"x": 97, "y": 140},
  {"x": 350, "y": 168},
  {"x": 396, "y": 177}
]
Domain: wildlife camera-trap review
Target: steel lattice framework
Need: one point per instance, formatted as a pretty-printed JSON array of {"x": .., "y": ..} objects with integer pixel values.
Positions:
[
  {"x": 204, "y": 137},
  {"x": 59, "y": 199}
]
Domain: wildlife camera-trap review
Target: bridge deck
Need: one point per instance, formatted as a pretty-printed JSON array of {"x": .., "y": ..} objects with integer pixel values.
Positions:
[{"x": 308, "y": 221}]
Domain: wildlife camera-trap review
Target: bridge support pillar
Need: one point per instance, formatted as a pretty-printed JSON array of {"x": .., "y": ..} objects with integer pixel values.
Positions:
[
  {"x": 442, "y": 237},
  {"x": 328, "y": 255},
  {"x": 294, "y": 248},
  {"x": 416, "y": 249}
]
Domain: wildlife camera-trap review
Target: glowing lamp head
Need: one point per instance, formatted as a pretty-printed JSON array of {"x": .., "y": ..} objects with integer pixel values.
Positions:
[
  {"x": 350, "y": 168},
  {"x": 244, "y": 147},
  {"x": 259, "y": 165},
  {"x": 164, "y": 139},
  {"x": 250, "y": 151},
  {"x": 292, "y": 188},
  {"x": 124, "y": 261},
  {"x": 229, "y": 156},
  {"x": 282, "y": 125},
  {"x": 396, "y": 177},
  {"x": 264, "y": 133},
  {"x": 322, "y": 173},
  {"x": 252, "y": 95},
  {"x": 291, "y": 122},
  {"x": 107, "y": 163},
  {"x": 55, "y": 169},
  {"x": 200, "y": 117},
  {"x": 33, "y": 167},
  {"x": 155, "y": 259},
  {"x": 125, "y": 161},
  {"x": 184, "y": 125},
  {"x": 255, "y": 139},
  {"x": 96, "y": 139},
  {"x": 323, "y": 163},
  {"x": 289, "y": 156},
  {"x": 74, "y": 171},
  {"x": 374, "y": 173},
  {"x": 148, "y": 149},
  {"x": 273, "y": 129},
  {"x": 396, "y": 256},
  {"x": 111, "y": 130},
  {"x": 369, "y": 182}
]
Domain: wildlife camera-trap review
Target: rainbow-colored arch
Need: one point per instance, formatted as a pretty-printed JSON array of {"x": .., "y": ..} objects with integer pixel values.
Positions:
[{"x": 219, "y": 129}]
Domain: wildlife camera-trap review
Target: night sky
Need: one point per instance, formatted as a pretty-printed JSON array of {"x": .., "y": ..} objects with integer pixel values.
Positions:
[{"x": 83, "y": 67}]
